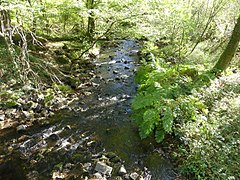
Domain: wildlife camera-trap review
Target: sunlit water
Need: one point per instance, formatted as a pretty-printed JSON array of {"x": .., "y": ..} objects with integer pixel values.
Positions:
[{"x": 103, "y": 118}]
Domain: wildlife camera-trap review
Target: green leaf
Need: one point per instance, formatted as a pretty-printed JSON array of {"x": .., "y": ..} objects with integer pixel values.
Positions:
[
  {"x": 159, "y": 135},
  {"x": 167, "y": 120},
  {"x": 150, "y": 118},
  {"x": 143, "y": 101}
]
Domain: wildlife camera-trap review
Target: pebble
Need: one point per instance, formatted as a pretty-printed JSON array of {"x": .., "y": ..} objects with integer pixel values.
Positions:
[
  {"x": 26, "y": 114},
  {"x": 10, "y": 112},
  {"x": 134, "y": 176},
  {"x": 58, "y": 175},
  {"x": 122, "y": 170},
  {"x": 68, "y": 127},
  {"x": 126, "y": 67},
  {"x": 21, "y": 128},
  {"x": 23, "y": 138},
  {"x": 140, "y": 178},
  {"x": 52, "y": 140},
  {"x": 97, "y": 175},
  {"x": 125, "y": 96},
  {"x": 124, "y": 76},
  {"x": 69, "y": 165},
  {"x": 87, "y": 166},
  {"x": 2, "y": 117},
  {"x": 103, "y": 168}
]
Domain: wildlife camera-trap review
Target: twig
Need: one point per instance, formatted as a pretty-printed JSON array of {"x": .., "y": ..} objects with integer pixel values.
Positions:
[{"x": 213, "y": 13}]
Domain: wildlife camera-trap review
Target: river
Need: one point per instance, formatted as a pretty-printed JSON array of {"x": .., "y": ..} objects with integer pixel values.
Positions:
[{"x": 101, "y": 130}]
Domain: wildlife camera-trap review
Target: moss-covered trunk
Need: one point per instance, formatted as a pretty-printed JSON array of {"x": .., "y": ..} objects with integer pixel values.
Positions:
[{"x": 230, "y": 50}]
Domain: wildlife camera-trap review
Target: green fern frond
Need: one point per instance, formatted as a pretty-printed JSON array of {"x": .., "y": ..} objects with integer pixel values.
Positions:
[
  {"x": 150, "y": 118},
  {"x": 167, "y": 120},
  {"x": 159, "y": 135},
  {"x": 142, "y": 100}
]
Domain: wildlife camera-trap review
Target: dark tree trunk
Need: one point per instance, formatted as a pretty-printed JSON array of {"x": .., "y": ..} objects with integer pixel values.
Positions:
[{"x": 230, "y": 50}]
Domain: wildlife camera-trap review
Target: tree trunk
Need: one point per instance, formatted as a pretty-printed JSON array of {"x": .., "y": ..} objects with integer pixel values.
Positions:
[
  {"x": 5, "y": 22},
  {"x": 91, "y": 20},
  {"x": 230, "y": 50},
  {"x": 5, "y": 30}
]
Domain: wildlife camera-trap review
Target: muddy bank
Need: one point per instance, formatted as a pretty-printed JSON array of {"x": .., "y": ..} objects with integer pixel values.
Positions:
[{"x": 96, "y": 140}]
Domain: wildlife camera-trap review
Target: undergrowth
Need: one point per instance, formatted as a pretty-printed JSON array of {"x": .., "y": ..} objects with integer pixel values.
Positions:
[
  {"x": 194, "y": 106},
  {"x": 164, "y": 96}
]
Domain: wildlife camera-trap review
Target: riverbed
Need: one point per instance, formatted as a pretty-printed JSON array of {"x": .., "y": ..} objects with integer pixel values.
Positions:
[{"x": 101, "y": 130}]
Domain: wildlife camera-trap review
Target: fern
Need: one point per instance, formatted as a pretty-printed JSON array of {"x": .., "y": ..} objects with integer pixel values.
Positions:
[
  {"x": 163, "y": 96},
  {"x": 167, "y": 120},
  {"x": 159, "y": 135},
  {"x": 150, "y": 118},
  {"x": 143, "y": 100}
]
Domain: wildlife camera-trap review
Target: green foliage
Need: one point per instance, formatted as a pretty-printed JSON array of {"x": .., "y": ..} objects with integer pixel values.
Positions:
[
  {"x": 150, "y": 118},
  {"x": 212, "y": 140},
  {"x": 200, "y": 110},
  {"x": 9, "y": 98},
  {"x": 162, "y": 94},
  {"x": 65, "y": 89},
  {"x": 49, "y": 96},
  {"x": 175, "y": 95}
]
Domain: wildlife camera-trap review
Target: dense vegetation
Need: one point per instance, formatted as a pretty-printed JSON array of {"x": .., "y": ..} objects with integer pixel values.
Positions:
[{"x": 46, "y": 47}]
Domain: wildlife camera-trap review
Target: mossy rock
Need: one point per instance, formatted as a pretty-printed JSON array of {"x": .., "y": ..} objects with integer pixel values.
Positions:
[
  {"x": 82, "y": 157},
  {"x": 62, "y": 60},
  {"x": 113, "y": 157},
  {"x": 72, "y": 82},
  {"x": 3, "y": 43},
  {"x": 59, "y": 52}
]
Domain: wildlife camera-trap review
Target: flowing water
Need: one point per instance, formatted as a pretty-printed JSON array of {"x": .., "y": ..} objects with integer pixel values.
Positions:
[{"x": 101, "y": 125}]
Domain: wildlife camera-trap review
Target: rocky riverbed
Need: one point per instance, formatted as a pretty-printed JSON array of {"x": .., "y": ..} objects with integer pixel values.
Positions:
[{"x": 96, "y": 138}]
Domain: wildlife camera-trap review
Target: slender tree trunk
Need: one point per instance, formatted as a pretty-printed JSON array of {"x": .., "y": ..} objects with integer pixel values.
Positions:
[
  {"x": 6, "y": 29},
  {"x": 91, "y": 20},
  {"x": 5, "y": 23},
  {"x": 230, "y": 50}
]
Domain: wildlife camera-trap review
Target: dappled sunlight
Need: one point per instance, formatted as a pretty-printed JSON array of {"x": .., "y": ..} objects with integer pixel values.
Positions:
[
  {"x": 127, "y": 90},
  {"x": 99, "y": 125}
]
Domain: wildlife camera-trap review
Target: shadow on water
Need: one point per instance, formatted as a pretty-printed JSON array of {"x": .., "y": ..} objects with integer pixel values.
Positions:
[{"x": 102, "y": 124}]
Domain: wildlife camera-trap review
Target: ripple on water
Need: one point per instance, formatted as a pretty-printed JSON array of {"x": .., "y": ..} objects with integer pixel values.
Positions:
[{"x": 104, "y": 117}]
